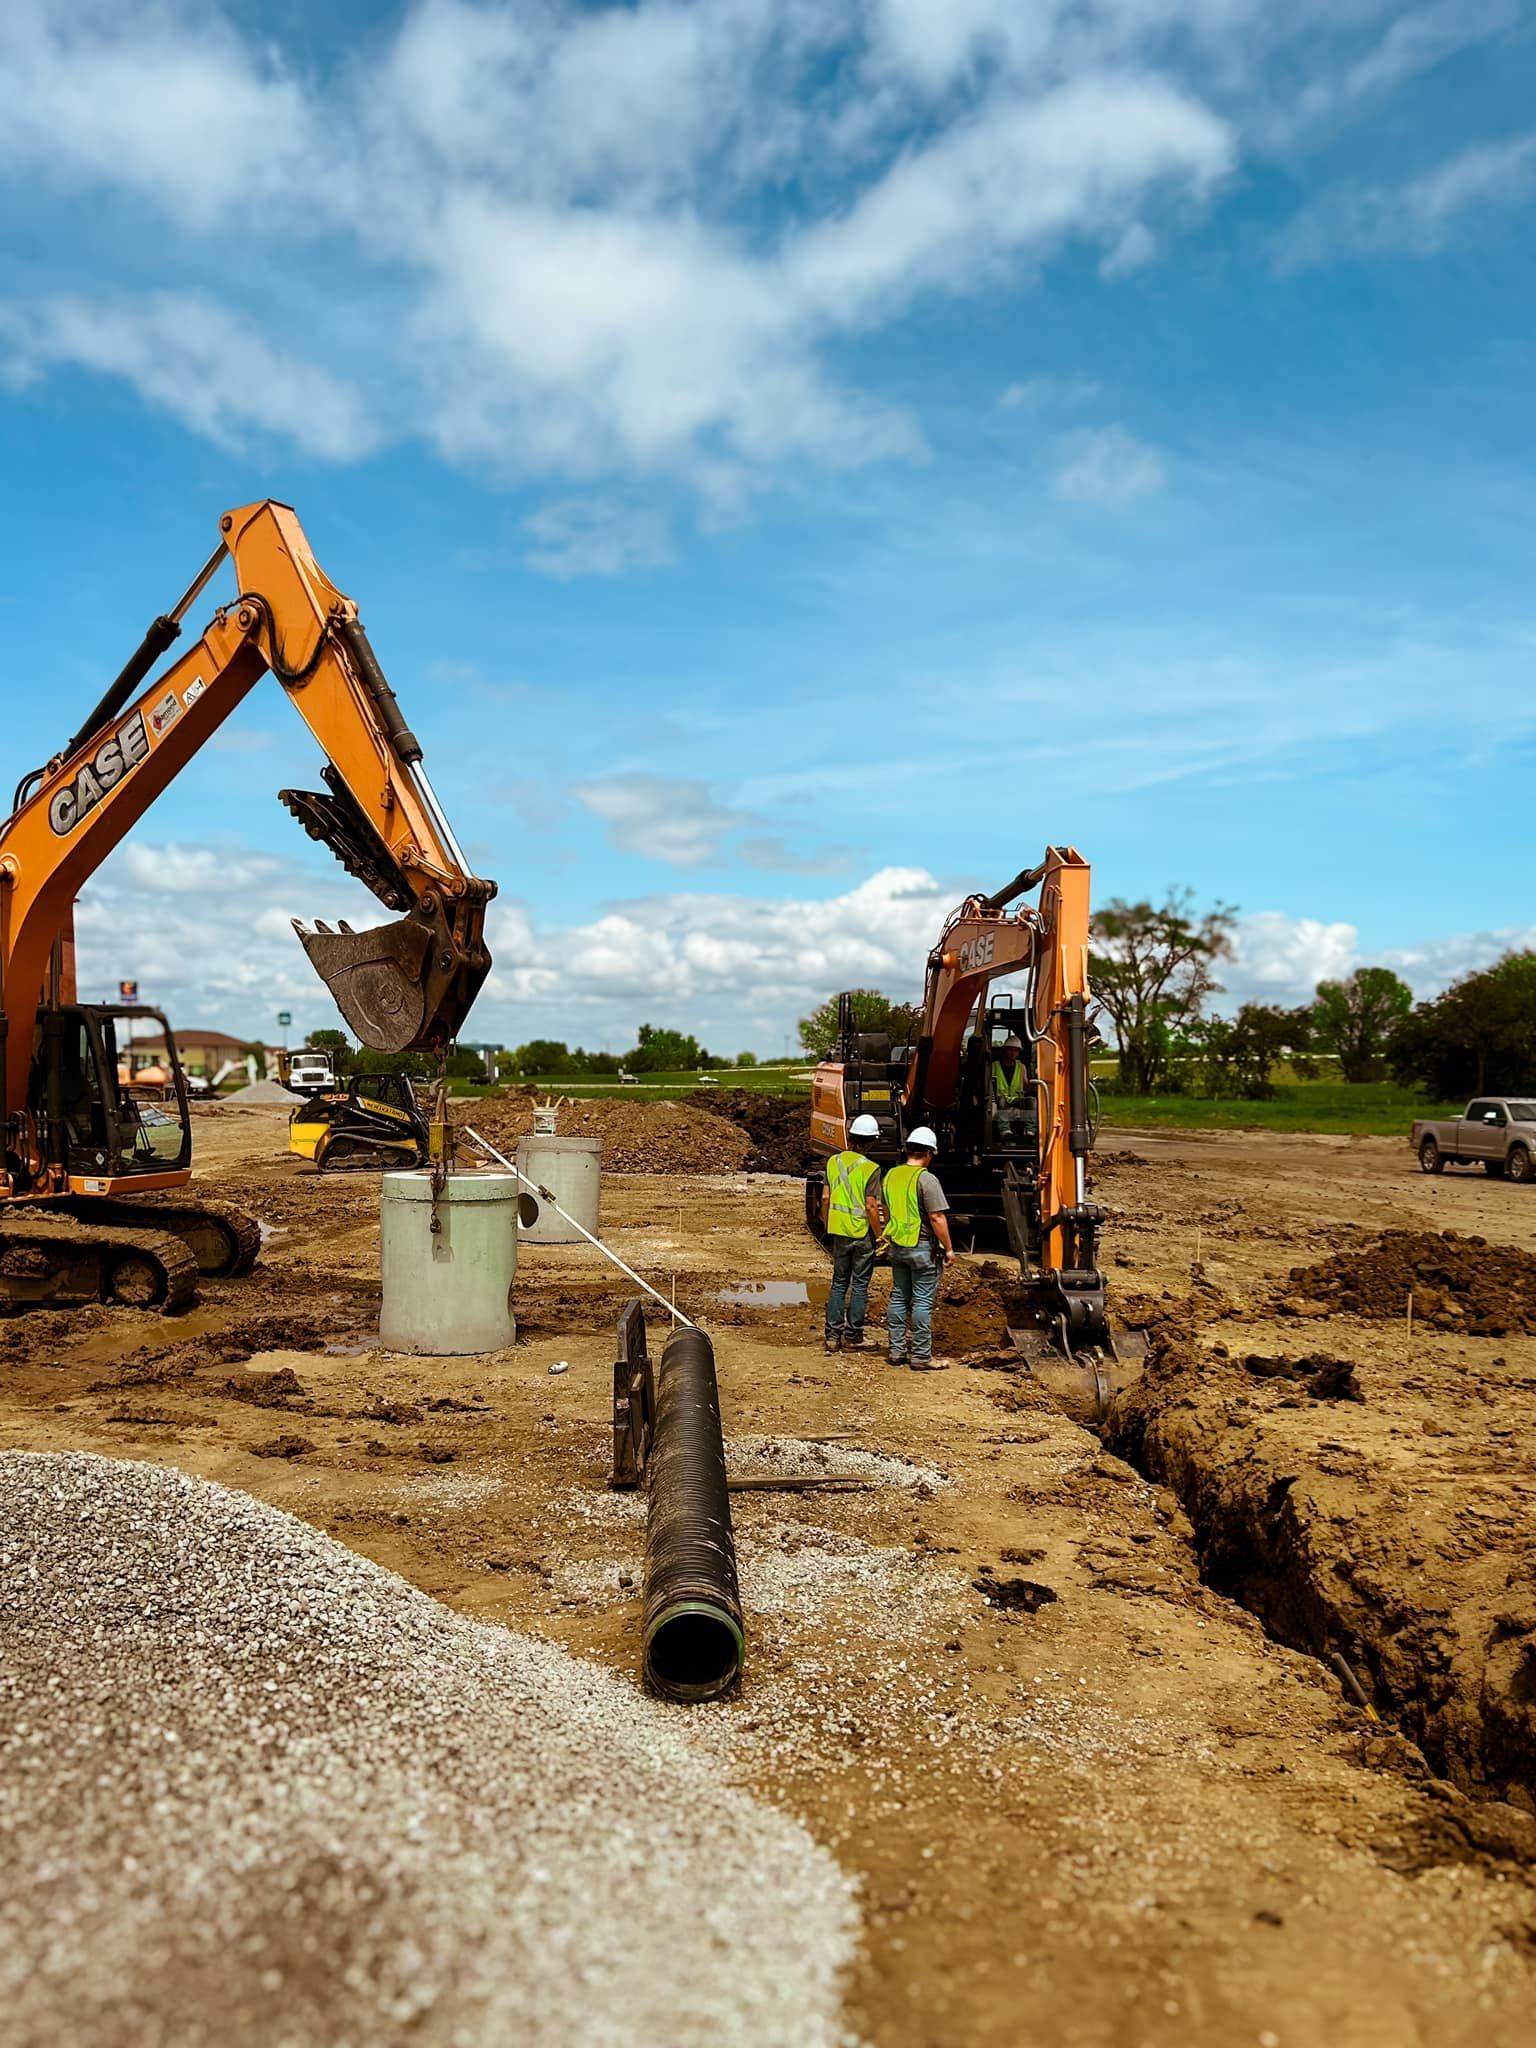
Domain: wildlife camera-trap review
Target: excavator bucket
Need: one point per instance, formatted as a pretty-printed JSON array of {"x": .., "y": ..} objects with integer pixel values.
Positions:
[
  {"x": 1082, "y": 1380},
  {"x": 402, "y": 987}
]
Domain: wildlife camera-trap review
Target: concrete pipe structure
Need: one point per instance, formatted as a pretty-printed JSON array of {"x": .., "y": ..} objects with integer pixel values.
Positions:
[
  {"x": 571, "y": 1168},
  {"x": 448, "y": 1291}
]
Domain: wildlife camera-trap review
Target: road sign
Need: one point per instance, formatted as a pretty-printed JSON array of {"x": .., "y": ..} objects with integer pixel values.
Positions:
[
  {"x": 127, "y": 991},
  {"x": 285, "y": 1018}
]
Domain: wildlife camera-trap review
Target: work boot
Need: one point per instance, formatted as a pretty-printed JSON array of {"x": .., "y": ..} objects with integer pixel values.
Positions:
[
  {"x": 855, "y": 1340},
  {"x": 932, "y": 1364},
  {"x": 831, "y": 1344}
]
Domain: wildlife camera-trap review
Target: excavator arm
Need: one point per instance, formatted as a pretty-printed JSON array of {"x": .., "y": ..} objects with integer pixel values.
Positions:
[
  {"x": 984, "y": 941},
  {"x": 406, "y": 985}
]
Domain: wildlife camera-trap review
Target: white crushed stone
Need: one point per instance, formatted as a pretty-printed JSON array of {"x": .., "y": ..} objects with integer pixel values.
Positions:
[
  {"x": 255, "y": 1789},
  {"x": 258, "y": 1093},
  {"x": 796, "y": 1458}
]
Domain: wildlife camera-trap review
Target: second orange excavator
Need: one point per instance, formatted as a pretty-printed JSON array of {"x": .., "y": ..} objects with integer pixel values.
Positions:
[
  {"x": 1015, "y": 1129},
  {"x": 89, "y": 1208}
]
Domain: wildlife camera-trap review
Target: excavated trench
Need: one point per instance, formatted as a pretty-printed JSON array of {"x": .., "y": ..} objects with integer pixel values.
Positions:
[{"x": 1370, "y": 1501}]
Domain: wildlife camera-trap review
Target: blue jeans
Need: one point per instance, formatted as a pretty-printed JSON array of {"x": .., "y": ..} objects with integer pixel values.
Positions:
[
  {"x": 853, "y": 1260},
  {"x": 914, "y": 1283}
]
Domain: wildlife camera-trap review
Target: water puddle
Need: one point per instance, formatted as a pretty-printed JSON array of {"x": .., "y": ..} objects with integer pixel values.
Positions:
[{"x": 765, "y": 1294}]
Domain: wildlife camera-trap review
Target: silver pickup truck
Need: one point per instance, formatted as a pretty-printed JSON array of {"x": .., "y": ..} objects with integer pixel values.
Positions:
[{"x": 1497, "y": 1133}]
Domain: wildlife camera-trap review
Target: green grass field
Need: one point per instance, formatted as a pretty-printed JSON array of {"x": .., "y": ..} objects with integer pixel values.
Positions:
[
  {"x": 1371, "y": 1109},
  {"x": 667, "y": 1087},
  {"x": 1378, "y": 1109}
]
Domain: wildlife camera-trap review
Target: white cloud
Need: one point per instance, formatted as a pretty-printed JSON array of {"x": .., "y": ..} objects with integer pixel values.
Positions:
[
  {"x": 1412, "y": 43},
  {"x": 192, "y": 358},
  {"x": 679, "y": 819},
  {"x": 1136, "y": 248},
  {"x": 1107, "y": 466},
  {"x": 1048, "y": 394},
  {"x": 1278, "y": 958},
  {"x": 205, "y": 930},
  {"x": 554, "y": 216},
  {"x": 663, "y": 817},
  {"x": 1414, "y": 218},
  {"x": 596, "y": 537},
  {"x": 1281, "y": 959}
]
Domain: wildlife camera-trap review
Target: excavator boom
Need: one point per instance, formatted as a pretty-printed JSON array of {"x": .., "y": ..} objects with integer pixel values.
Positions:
[{"x": 409, "y": 983}]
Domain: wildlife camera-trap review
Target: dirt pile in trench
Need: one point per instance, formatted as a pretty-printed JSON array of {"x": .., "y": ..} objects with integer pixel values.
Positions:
[
  {"x": 1457, "y": 1283},
  {"x": 779, "y": 1127},
  {"x": 1430, "y": 1597},
  {"x": 637, "y": 1137}
]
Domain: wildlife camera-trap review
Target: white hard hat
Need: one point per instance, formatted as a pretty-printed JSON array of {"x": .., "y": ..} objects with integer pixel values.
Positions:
[
  {"x": 1013, "y": 1043},
  {"x": 864, "y": 1127},
  {"x": 922, "y": 1139}
]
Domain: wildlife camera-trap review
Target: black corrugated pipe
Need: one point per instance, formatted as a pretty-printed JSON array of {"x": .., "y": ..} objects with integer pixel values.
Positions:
[{"x": 694, "y": 1645}]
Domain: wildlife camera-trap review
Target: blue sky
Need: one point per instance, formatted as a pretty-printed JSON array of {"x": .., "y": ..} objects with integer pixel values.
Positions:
[{"x": 794, "y": 460}]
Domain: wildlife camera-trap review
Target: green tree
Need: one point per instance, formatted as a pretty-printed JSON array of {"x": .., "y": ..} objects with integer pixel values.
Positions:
[
  {"x": 662, "y": 1051},
  {"x": 1356, "y": 1019},
  {"x": 1479, "y": 1035},
  {"x": 1237, "y": 1056},
  {"x": 746, "y": 1059},
  {"x": 872, "y": 1011},
  {"x": 336, "y": 1044},
  {"x": 1152, "y": 967},
  {"x": 544, "y": 1056},
  {"x": 465, "y": 1064}
]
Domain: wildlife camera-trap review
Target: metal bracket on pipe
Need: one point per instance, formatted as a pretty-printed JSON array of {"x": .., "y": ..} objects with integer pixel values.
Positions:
[{"x": 634, "y": 1400}]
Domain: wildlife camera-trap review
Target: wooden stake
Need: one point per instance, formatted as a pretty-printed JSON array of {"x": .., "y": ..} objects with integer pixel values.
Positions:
[{"x": 1410, "y": 1315}]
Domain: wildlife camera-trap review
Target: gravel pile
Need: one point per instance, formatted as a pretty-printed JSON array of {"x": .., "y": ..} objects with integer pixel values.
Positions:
[
  {"x": 257, "y": 1093},
  {"x": 255, "y": 1789}
]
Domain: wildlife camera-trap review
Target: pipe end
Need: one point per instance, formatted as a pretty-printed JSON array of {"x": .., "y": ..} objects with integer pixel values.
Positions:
[{"x": 694, "y": 1651}]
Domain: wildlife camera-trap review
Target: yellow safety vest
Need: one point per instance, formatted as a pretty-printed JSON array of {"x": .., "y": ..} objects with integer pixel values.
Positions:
[
  {"x": 848, "y": 1176},
  {"x": 1008, "y": 1088},
  {"x": 905, "y": 1204}
]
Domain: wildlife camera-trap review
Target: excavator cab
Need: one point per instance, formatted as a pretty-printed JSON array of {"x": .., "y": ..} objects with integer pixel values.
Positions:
[{"x": 89, "y": 1133}]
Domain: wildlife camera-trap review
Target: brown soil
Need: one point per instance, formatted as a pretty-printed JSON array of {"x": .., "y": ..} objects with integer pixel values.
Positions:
[
  {"x": 779, "y": 1127},
  {"x": 1455, "y": 1282},
  {"x": 637, "y": 1137},
  {"x": 1089, "y": 1801}
]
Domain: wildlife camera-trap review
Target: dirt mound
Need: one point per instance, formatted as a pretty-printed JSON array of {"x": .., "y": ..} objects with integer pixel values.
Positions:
[
  {"x": 1457, "y": 1283},
  {"x": 779, "y": 1127},
  {"x": 637, "y": 1137}
]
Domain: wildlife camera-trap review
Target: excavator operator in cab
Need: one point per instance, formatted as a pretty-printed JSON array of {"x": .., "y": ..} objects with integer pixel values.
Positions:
[{"x": 1013, "y": 1095}]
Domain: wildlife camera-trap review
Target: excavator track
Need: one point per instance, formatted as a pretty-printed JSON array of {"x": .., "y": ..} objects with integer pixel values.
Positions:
[
  {"x": 225, "y": 1241},
  {"x": 368, "y": 1155},
  {"x": 61, "y": 1260}
]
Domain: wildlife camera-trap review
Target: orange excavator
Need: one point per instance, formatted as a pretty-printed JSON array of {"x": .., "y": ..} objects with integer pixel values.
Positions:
[
  {"x": 1016, "y": 1171},
  {"x": 88, "y": 1203}
]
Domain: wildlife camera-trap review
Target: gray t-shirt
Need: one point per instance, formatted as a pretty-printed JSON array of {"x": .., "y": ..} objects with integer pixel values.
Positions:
[{"x": 933, "y": 1202}]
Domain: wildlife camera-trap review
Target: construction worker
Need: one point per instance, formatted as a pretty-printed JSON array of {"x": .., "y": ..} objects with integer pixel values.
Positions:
[
  {"x": 852, "y": 1217},
  {"x": 918, "y": 1235},
  {"x": 1013, "y": 1095}
]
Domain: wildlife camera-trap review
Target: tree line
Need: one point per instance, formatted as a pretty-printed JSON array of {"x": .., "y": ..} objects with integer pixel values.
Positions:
[{"x": 1154, "y": 967}]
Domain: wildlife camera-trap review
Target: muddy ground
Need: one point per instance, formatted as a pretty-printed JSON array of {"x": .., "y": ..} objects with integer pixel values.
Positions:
[{"x": 1089, "y": 1799}]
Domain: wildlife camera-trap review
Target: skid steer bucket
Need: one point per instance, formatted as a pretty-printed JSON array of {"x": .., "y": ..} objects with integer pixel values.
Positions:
[{"x": 401, "y": 987}]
